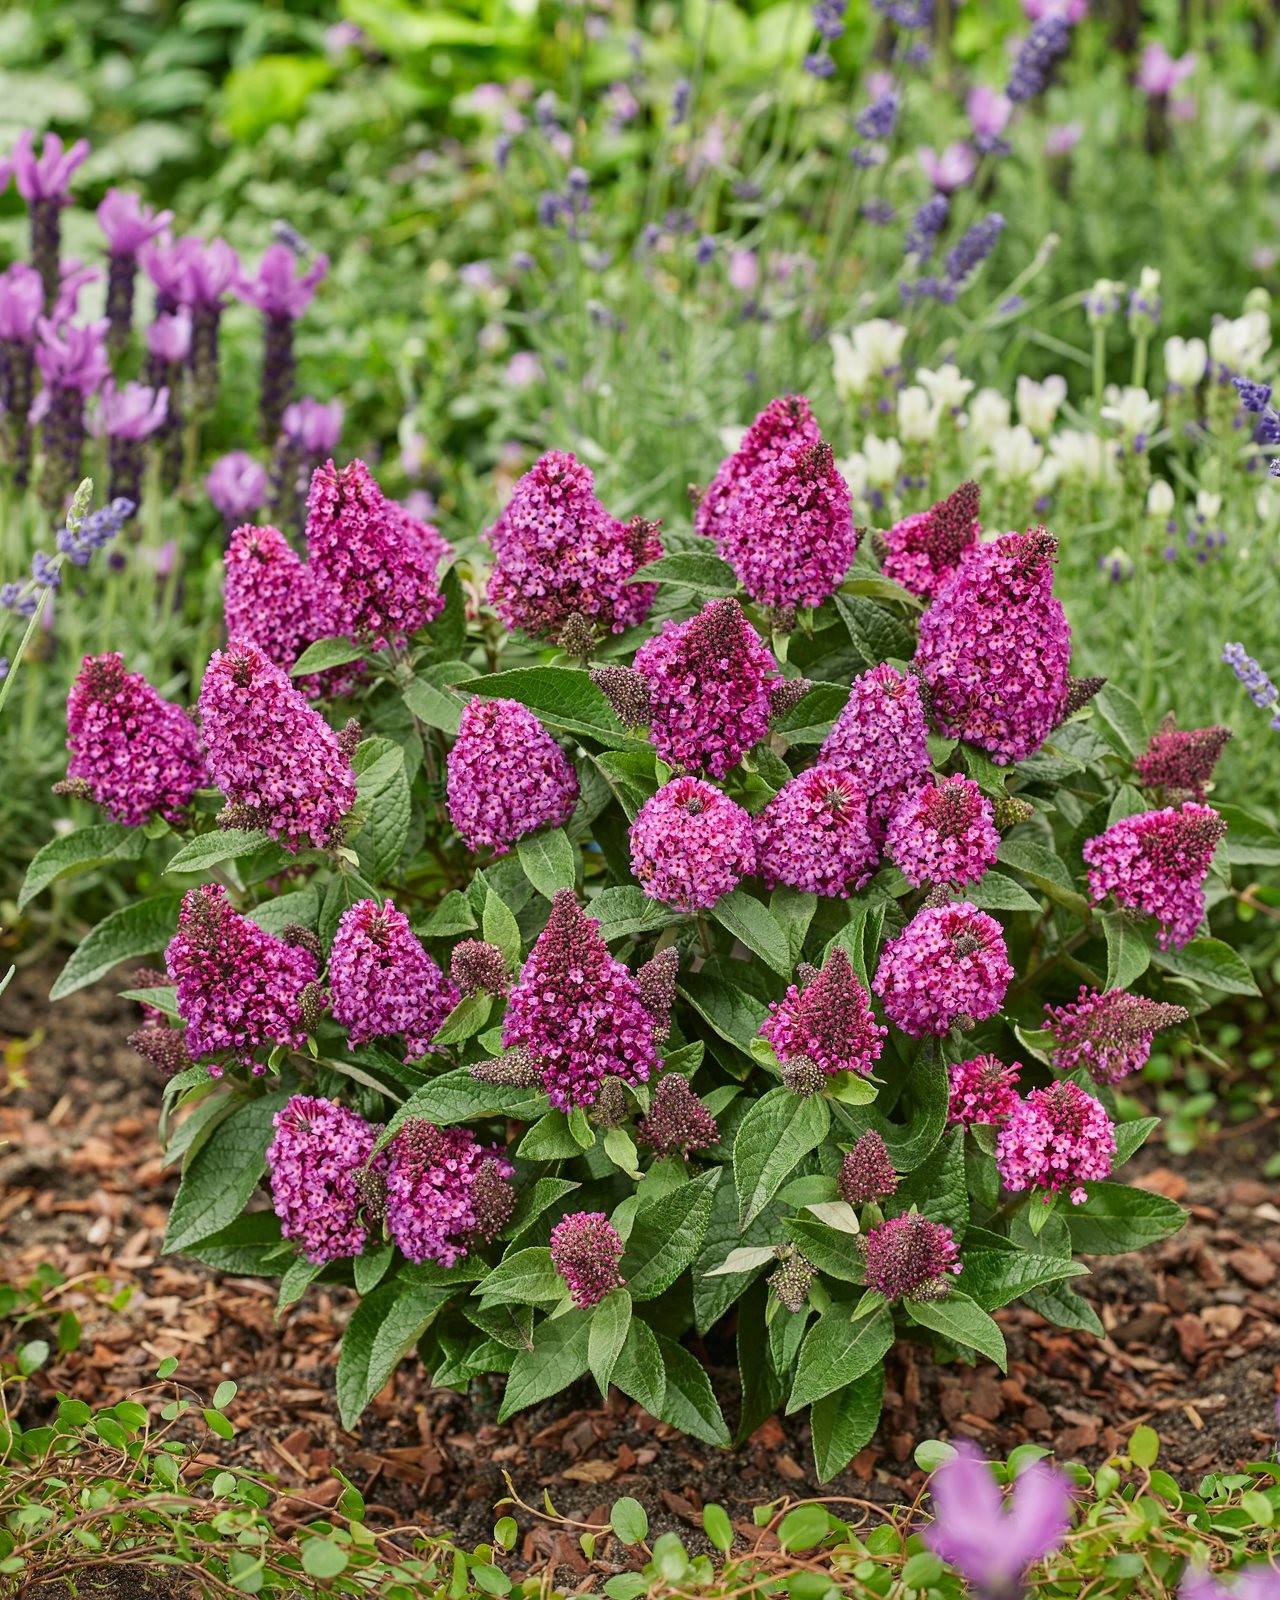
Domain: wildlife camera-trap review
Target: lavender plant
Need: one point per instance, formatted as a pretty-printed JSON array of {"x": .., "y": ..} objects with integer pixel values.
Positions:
[{"x": 662, "y": 935}]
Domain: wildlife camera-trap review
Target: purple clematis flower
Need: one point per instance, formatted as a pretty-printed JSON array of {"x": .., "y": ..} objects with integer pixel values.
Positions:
[
  {"x": 989, "y": 1546},
  {"x": 1159, "y": 74},
  {"x": 237, "y": 485},
  {"x": 129, "y": 224},
  {"x": 48, "y": 175},
  {"x": 951, "y": 169},
  {"x": 278, "y": 289}
]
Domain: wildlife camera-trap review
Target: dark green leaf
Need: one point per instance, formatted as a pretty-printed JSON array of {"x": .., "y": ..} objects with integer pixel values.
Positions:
[
  {"x": 1120, "y": 720},
  {"x": 689, "y": 1402},
  {"x": 875, "y": 631},
  {"x": 639, "y": 1370},
  {"x": 691, "y": 570},
  {"x": 1209, "y": 962},
  {"x": 995, "y": 1277},
  {"x": 324, "y": 655},
  {"x": 137, "y": 929},
  {"x": 562, "y": 698},
  {"x": 964, "y": 1322},
  {"x": 558, "y": 1358},
  {"x": 837, "y": 1351},
  {"x": 995, "y": 892},
  {"x": 1128, "y": 954},
  {"x": 667, "y": 1235},
  {"x": 222, "y": 1174},
  {"x": 209, "y": 849},
  {"x": 756, "y": 926},
  {"x": 383, "y": 1329},
  {"x": 79, "y": 852},
  {"x": 777, "y": 1132},
  {"x": 1116, "y": 1219},
  {"x": 844, "y": 1422},
  {"x": 526, "y": 1276},
  {"x": 610, "y": 1321},
  {"x": 549, "y": 860}
]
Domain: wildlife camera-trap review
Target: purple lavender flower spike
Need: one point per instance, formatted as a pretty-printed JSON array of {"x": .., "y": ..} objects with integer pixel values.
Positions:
[
  {"x": 309, "y": 433},
  {"x": 991, "y": 1547},
  {"x": 21, "y": 302},
  {"x": 168, "y": 350},
  {"x": 237, "y": 485},
  {"x": 130, "y": 415},
  {"x": 128, "y": 224},
  {"x": 1039, "y": 53},
  {"x": 73, "y": 365},
  {"x": 44, "y": 182},
  {"x": 281, "y": 293},
  {"x": 212, "y": 271}
]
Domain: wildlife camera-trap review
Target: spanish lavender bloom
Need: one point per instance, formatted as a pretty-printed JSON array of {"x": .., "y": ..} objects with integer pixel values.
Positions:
[
  {"x": 1108, "y": 1034},
  {"x": 690, "y": 844},
  {"x": 281, "y": 293},
  {"x": 881, "y": 737},
  {"x": 130, "y": 415},
  {"x": 926, "y": 547},
  {"x": 995, "y": 647},
  {"x": 315, "y": 1164},
  {"x": 925, "y": 227},
  {"x": 1061, "y": 139},
  {"x": 680, "y": 97},
  {"x": 982, "y": 1090},
  {"x": 815, "y": 835},
  {"x": 972, "y": 249},
  {"x": 877, "y": 121},
  {"x": 237, "y": 485},
  {"x": 711, "y": 683},
  {"x": 381, "y": 980},
  {"x": 578, "y": 1011},
  {"x": 828, "y": 1021},
  {"x": 128, "y": 225},
  {"x": 910, "y": 1256},
  {"x": 239, "y": 988},
  {"x": 949, "y": 170},
  {"x": 944, "y": 833},
  {"x": 73, "y": 364},
  {"x": 866, "y": 1173},
  {"x": 1155, "y": 863},
  {"x": 791, "y": 537},
  {"x": 558, "y": 552},
  {"x": 1057, "y": 1138},
  {"x": 949, "y": 963},
  {"x": 585, "y": 1250},
  {"x": 989, "y": 1546},
  {"x": 783, "y": 422},
  {"x": 478, "y": 968},
  {"x": 309, "y": 433},
  {"x": 677, "y": 1121},
  {"x": 136, "y": 754},
  {"x": 271, "y": 598},
  {"x": 375, "y": 559},
  {"x": 506, "y": 777},
  {"x": 1159, "y": 74},
  {"x": 212, "y": 271},
  {"x": 168, "y": 350},
  {"x": 165, "y": 262},
  {"x": 989, "y": 112},
  {"x": 441, "y": 1191},
  {"x": 279, "y": 763},
  {"x": 1039, "y": 53},
  {"x": 909, "y": 15},
  {"x": 44, "y": 182},
  {"x": 21, "y": 302},
  {"x": 1181, "y": 761}
]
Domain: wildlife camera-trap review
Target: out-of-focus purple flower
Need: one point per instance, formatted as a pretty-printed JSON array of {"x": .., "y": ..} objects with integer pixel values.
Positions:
[
  {"x": 165, "y": 262},
  {"x": 1159, "y": 73},
  {"x": 877, "y": 120},
  {"x": 132, "y": 411},
  {"x": 21, "y": 302},
  {"x": 908, "y": 15},
  {"x": 1042, "y": 49},
  {"x": 950, "y": 170},
  {"x": 925, "y": 227},
  {"x": 341, "y": 38},
  {"x": 989, "y": 112},
  {"x": 237, "y": 485},
  {"x": 1258, "y": 1582},
  {"x": 71, "y": 357},
  {"x": 212, "y": 271},
  {"x": 313, "y": 425},
  {"x": 972, "y": 249},
  {"x": 129, "y": 224},
  {"x": 1071, "y": 11},
  {"x": 73, "y": 276},
  {"x": 169, "y": 338},
  {"x": 278, "y": 289},
  {"x": 524, "y": 369},
  {"x": 989, "y": 1546},
  {"x": 744, "y": 271},
  {"x": 48, "y": 175},
  {"x": 1062, "y": 138}
]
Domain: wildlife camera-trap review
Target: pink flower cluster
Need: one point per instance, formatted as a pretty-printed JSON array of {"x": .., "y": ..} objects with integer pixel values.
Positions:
[
  {"x": 983, "y": 1090},
  {"x": 949, "y": 963},
  {"x": 376, "y": 561},
  {"x": 784, "y": 422},
  {"x": 276, "y": 759},
  {"x": 944, "y": 833},
  {"x": 314, "y": 1162},
  {"x": 815, "y": 835},
  {"x": 866, "y": 1173},
  {"x": 271, "y": 598},
  {"x": 995, "y": 648},
  {"x": 829, "y": 1021},
  {"x": 381, "y": 980},
  {"x": 436, "y": 1178},
  {"x": 928, "y": 546},
  {"x": 1181, "y": 761},
  {"x": 711, "y": 683},
  {"x": 677, "y": 1121},
  {"x": 238, "y": 987},
  {"x": 558, "y": 553},
  {"x": 910, "y": 1255},
  {"x": 1057, "y": 1138},
  {"x": 1156, "y": 864},
  {"x": 585, "y": 1250},
  {"x": 881, "y": 737},
  {"x": 790, "y": 538},
  {"x": 137, "y": 753},
  {"x": 578, "y": 1011},
  {"x": 690, "y": 844},
  {"x": 506, "y": 776},
  {"x": 1108, "y": 1034}
]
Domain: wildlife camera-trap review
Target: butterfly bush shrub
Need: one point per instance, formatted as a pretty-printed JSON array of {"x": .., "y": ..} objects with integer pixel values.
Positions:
[{"x": 672, "y": 936}]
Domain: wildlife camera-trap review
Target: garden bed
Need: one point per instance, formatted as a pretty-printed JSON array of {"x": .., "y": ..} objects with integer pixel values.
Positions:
[{"x": 1192, "y": 1346}]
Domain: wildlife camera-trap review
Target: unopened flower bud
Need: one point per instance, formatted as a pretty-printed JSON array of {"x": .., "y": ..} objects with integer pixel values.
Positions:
[
  {"x": 478, "y": 968},
  {"x": 578, "y": 637},
  {"x": 515, "y": 1069},
  {"x": 803, "y": 1076},
  {"x": 626, "y": 691},
  {"x": 790, "y": 1282},
  {"x": 313, "y": 1002},
  {"x": 657, "y": 980},
  {"x": 1010, "y": 810},
  {"x": 611, "y": 1105},
  {"x": 787, "y": 694},
  {"x": 349, "y": 738},
  {"x": 299, "y": 938},
  {"x": 1079, "y": 693}
]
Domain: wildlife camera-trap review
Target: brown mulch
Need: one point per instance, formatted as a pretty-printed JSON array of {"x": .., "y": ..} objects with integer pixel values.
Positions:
[{"x": 1192, "y": 1346}]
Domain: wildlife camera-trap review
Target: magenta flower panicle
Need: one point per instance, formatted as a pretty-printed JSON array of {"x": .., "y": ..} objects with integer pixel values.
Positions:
[
  {"x": 382, "y": 576},
  {"x": 784, "y": 422},
  {"x": 677, "y": 1121},
  {"x": 559, "y": 554},
  {"x": 816, "y": 835},
  {"x": 711, "y": 682},
  {"x": 271, "y": 599},
  {"x": 1108, "y": 1034},
  {"x": 444, "y": 1191},
  {"x": 828, "y": 1022},
  {"x": 239, "y": 988},
  {"x": 1180, "y": 761},
  {"x": 982, "y": 1091},
  {"x": 279, "y": 763},
  {"x": 995, "y": 648},
  {"x": 990, "y": 1546},
  {"x": 944, "y": 833},
  {"x": 948, "y": 967},
  {"x": 1057, "y": 1138},
  {"x": 926, "y": 547},
  {"x": 1155, "y": 864},
  {"x": 586, "y": 1250},
  {"x": 578, "y": 1011},
  {"x": 136, "y": 754},
  {"x": 866, "y": 1173},
  {"x": 382, "y": 982},
  {"x": 315, "y": 1165},
  {"x": 881, "y": 736},
  {"x": 910, "y": 1256},
  {"x": 690, "y": 844},
  {"x": 506, "y": 777}
]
